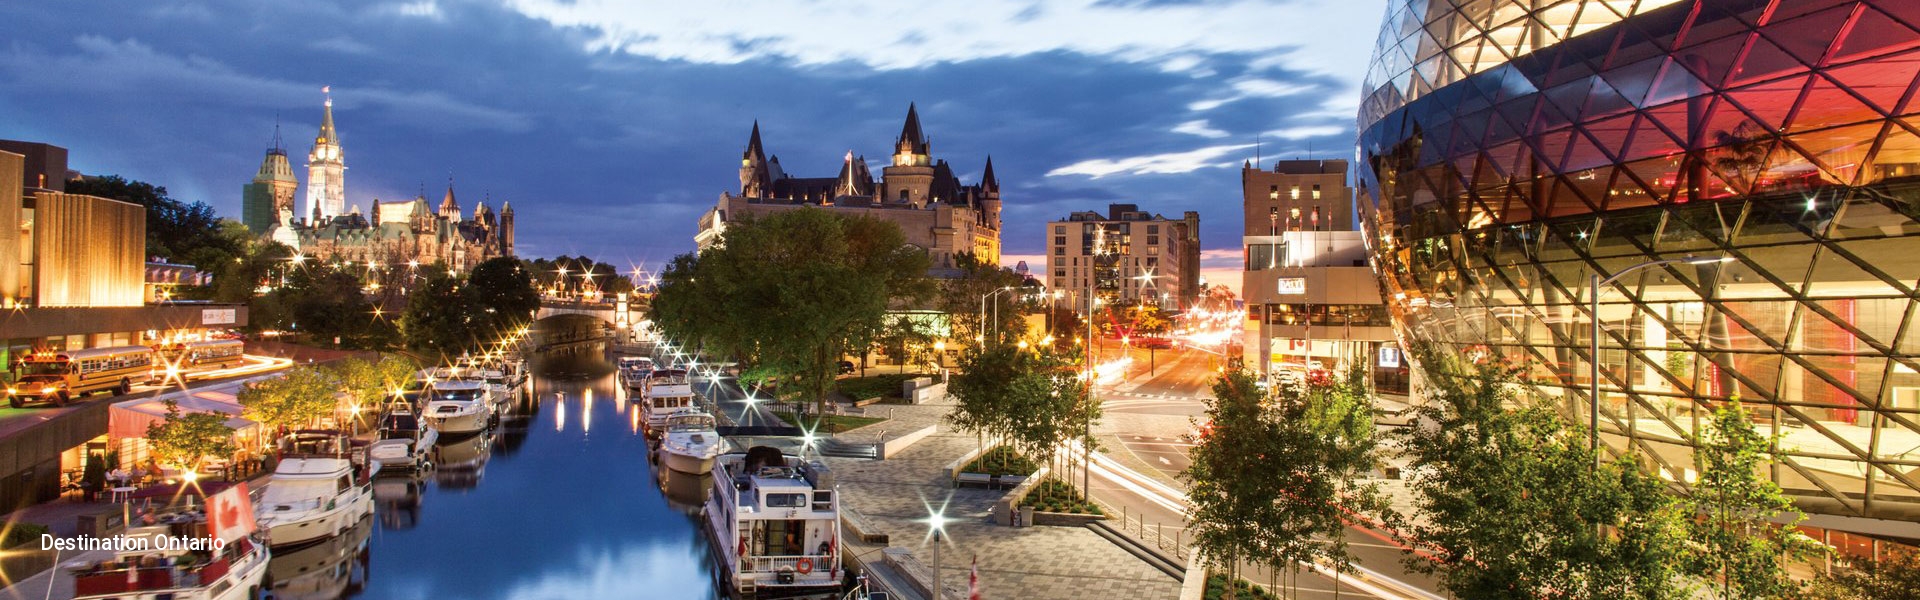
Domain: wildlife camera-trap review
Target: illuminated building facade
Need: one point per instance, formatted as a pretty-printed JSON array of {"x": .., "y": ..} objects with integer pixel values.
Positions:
[
  {"x": 413, "y": 230},
  {"x": 1312, "y": 301},
  {"x": 1514, "y": 152},
  {"x": 921, "y": 195},
  {"x": 73, "y": 275},
  {"x": 1127, "y": 255}
]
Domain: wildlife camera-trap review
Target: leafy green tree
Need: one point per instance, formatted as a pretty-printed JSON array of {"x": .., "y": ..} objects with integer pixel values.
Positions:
[
  {"x": 300, "y": 398},
  {"x": 501, "y": 295},
  {"x": 175, "y": 229},
  {"x": 960, "y": 297},
  {"x": 784, "y": 293},
  {"x": 1229, "y": 494},
  {"x": 1746, "y": 525},
  {"x": 189, "y": 440},
  {"x": 369, "y": 382},
  {"x": 437, "y": 317},
  {"x": 1513, "y": 505},
  {"x": 906, "y": 337}
]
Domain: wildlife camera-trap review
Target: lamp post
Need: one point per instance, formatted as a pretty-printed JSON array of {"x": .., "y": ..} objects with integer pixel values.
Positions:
[
  {"x": 937, "y": 523},
  {"x": 983, "y": 311},
  {"x": 940, "y": 354},
  {"x": 1593, "y": 358}
]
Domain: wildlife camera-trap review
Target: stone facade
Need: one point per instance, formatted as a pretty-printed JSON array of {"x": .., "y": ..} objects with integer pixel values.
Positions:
[{"x": 920, "y": 194}]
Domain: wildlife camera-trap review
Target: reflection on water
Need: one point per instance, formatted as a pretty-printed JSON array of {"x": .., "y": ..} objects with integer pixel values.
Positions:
[{"x": 542, "y": 506}]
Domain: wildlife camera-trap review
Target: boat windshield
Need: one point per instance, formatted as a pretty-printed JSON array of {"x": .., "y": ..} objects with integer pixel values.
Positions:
[
  {"x": 455, "y": 395},
  {"x": 690, "y": 423}
]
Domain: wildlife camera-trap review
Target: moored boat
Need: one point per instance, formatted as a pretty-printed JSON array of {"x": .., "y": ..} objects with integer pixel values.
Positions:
[
  {"x": 690, "y": 443},
  {"x": 316, "y": 491},
  {"x": 458, "y": 407},
  {"x": 403, "y": 441},
  {"x": 668, "y": 391},
  {"x": 183, "y": 555},
  {"x": 775, "y": 523}
]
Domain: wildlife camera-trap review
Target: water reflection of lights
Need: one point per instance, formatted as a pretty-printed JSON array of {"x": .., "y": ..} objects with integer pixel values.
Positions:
[
  {"x": 586, "y": 410},
  {"x": 617, "y": 573},
  {"x": 559, "y": 411}
]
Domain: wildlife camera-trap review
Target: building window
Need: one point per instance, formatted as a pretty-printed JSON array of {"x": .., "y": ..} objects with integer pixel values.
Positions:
[
  {"x": 1153, "y": 262},
  {"x": 1059, "y": 230},
  {"x": 1153, "y": 249},
  {"x": 1273, "y": 192},
  {"x": 1060, "y": 274},
  {"x": 1059, "y": 240},
  {"x": 1261, "y": 257},
  {"x": 1059, "y": 251},
  {"x": 1295, "y": 193},
  {"x": 1153, "y": 230},
  {"x": 1316, "y": 191},
  {"x": 1059, "y": 261},
  {"x": 1153, "y": 240}
]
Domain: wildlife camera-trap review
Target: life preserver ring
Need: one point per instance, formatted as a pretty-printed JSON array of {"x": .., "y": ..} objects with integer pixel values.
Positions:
[{"x": 803, "y": 566}]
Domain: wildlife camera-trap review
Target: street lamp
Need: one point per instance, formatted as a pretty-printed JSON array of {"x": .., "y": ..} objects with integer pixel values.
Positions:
[
  {"x": 1593, "y": 358},
  {"x": 983, "y": 311},
  {"x": 940, "y": 353},
  {"x": 936, "y": 527}
]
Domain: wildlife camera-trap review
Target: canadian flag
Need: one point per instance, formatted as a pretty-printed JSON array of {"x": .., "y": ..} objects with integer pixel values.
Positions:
[
  {"x": 973, "y": 580},
  {"x": 230, "y": 514}
]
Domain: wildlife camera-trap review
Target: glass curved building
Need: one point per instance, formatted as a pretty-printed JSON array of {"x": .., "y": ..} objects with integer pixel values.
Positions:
[{"x": 1512, "y": 151}]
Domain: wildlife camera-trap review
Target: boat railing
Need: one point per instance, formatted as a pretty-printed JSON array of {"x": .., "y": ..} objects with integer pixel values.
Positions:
[
  {"x": 816, "y": 563},
  {"x": 298, "y": 505}
]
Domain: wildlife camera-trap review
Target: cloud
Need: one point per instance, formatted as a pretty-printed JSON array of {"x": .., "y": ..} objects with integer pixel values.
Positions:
[
  {"x": 111, "y": 66},
  {"x": 1199, "y": 127},
  {"x": 1170, "y": 162},
  {"x": 428, "y": 9},
  {"x": 819, "y": 34},
  {"x": 612, "y": 574}
]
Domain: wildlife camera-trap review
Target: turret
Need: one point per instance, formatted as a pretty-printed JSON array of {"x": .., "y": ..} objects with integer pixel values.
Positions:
[
  {"x": 449, "y": 209},
  {"x": 912, "y": 149},
  {"x": 327, "y": 167},
  {"x": 271, "y": 191},
  {"x": 506, "y": 228},
  {"x": 990, "y": 197}
]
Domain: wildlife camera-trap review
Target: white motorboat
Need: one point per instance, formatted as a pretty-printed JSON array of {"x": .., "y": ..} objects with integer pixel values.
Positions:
[
  {"x": 234, "y": 570},
  {"x": 775, "y": 524},
  {"x": 691, "y": 444},
  {"x": 460, "y": 464},
  {"x": 634, "y": 371},
  {"x": 316, "y": 492},
  {"x": 459, "y": 406},
  {"x": 404, "y": 442},
  {"x": 668, "y": 392}
]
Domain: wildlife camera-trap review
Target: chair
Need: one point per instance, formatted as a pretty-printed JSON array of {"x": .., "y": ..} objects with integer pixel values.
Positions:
[{"x": 123, "y": 493}]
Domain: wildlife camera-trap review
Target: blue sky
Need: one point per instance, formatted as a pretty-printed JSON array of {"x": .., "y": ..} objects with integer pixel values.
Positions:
[{"x": 612, "y": 125}]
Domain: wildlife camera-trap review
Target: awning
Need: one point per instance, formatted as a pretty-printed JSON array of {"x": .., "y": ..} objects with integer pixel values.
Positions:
[{"x": 129, "y": 419}]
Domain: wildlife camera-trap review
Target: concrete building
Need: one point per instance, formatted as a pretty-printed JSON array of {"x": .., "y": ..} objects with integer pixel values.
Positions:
[
  {"x": 1127, "y": 255},
  {"x": 922, "y": 195},
  {"x": 1312, "y": 301},
  {"x": 73, "y": 275}
]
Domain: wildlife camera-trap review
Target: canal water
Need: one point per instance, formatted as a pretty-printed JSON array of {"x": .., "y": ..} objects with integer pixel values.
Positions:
[{"x": 558, "y": 501}]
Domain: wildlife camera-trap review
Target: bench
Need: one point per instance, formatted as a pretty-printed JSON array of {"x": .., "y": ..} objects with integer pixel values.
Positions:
[{"x": 981, "y": 479}]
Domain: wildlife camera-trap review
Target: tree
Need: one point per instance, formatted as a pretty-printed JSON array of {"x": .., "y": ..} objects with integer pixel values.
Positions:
[
  {"x": 367, "y": 382},
  {"x": 189, "y": 440},
  {"x": 1513, "y": 505},
  {"x": 175, "y": 229},
  {"x": 501, "y": 295},
  {"x": 960, "y": 297},
  {"x": 785, "y": 292},
  {"x": 1746, "y": 525},
  {"x": 905, "y": 336},
  {"x": 1228, "y": 494},
  {"x": 1895, "y": 576},
  {"x": 437, "y": 316},
  {"x": 300, "y": 398}
]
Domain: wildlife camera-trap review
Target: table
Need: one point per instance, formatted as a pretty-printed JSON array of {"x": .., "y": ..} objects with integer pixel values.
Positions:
[{"x": 123, "y": 493}]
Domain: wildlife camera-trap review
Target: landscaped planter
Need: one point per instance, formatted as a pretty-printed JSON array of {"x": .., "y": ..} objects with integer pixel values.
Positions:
[{"x": 1054, "y": 519}]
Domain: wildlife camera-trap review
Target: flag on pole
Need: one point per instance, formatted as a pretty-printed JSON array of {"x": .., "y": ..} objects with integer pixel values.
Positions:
[
  {"x": 849, "y": 157},
  {"x": 230, "y": 513},
  {"x": 973, "y": 580},
  {"x": 326, "y": 89}
]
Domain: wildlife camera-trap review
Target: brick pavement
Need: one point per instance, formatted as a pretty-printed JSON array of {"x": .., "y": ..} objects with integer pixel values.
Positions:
[{"x": 1031, "y": 562}]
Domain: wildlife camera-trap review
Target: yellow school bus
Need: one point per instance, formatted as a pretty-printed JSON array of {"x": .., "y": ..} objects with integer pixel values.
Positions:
[{"x": 59, "y": 377}]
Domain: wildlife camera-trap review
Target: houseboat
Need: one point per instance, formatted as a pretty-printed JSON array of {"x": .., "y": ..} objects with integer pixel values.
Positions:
[
  {"x": 317, "y": 491},
  {"x": 775, "y": 523}
]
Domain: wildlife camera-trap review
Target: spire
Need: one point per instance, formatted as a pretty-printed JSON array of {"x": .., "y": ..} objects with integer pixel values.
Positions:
[
  {"x": 327, "y": 133},
  {"x": 277, "y": 148},
  {"x": 506, "y": 208},
  {"x": 754, "y": 152},
  {"x": 987, "y": 180},
  {"x": 448, "y": 207},
  {"x": 911, "y": 139}
]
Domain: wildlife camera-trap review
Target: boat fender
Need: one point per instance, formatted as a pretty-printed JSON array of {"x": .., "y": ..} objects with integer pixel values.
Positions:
[{"x": 804, "y": 566}]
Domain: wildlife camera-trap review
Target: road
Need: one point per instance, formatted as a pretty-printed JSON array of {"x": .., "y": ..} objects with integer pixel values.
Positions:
[
  {"x": 1149, "y": 422},
  {"x": 15, "y": 420}
]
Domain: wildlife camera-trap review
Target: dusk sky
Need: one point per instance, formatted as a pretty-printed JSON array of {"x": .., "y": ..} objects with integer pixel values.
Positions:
[{"x": 611, "y": 126}]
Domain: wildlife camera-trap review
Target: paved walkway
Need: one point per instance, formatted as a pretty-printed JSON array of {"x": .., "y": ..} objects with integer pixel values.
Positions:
[{"x": 1032, "y": 562}]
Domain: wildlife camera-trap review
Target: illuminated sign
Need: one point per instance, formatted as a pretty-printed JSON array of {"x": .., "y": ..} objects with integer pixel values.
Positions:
[
  {"x": 216, "y": 316},
  {"x": 1292, "y": 285},
  {"x": 1389, "y": 357}
]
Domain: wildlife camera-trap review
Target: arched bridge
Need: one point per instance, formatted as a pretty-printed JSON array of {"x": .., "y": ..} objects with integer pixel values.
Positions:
[{"x": 560, "y": 321}]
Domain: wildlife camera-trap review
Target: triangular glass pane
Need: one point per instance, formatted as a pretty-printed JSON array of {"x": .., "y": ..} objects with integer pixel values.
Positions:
[
  {"x": 1604, "y": 101},
  {"x": 1827, "y": 105},
  {"x": 1713, "y": 61},
  {"x": 1907, "y": 12},
  {"x": 1807, "y": 38},
  {"x": 1740, "y": 154},
  {"x": 1518, "y": 114},
  {"x": 1649, "y": 141},
  {"x": 1770, "y": 102},
  {"x": 1764, "y": 61},
  {"x": 1570, "y": 97},
  {"x": 1874, "y": 34},
  {"x": 1838, "y": 151},
  {"x": 1897, "y": 157},
  {"x": 1645, "y": 182},
  {"x": 1592, "y": 184},
  {"x": 1503, "y": 158},
  {"x": 1881, "y": 81},
  {"x": 1702, "y": 185},
  {"x": 1552, "y": 145},
  {"x": 1611, "y": 134},
  {"x": 1583, "y": 154},
  {"x": 1675, "y": 84},
  {"x": 1633, "y": 81}
]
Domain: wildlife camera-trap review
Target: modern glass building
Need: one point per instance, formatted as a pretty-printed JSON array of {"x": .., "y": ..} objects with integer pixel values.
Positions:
[{"x": 1510, "y": 151}]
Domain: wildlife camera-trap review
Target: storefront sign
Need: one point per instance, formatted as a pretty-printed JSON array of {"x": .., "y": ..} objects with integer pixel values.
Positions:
[
  {"x": 216, "y": 316},
  {"x": 1292, "y": 285}
]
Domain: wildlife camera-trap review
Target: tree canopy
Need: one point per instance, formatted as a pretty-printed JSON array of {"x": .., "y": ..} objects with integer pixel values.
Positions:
[
  {"x": 176, "y": 229},
  {"x": 785, "y": 292},
  {"x": 300, "y": 398},
  {"x": 189, "y": 440},
  {"x": 500, "y": 295}
]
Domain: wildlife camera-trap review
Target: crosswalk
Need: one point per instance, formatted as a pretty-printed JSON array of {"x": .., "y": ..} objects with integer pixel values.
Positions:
[{"x": 1154, "y": 396}]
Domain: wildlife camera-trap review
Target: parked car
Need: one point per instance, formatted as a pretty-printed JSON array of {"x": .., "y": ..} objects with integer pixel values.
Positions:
[{"x": 846, "y": 367}]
